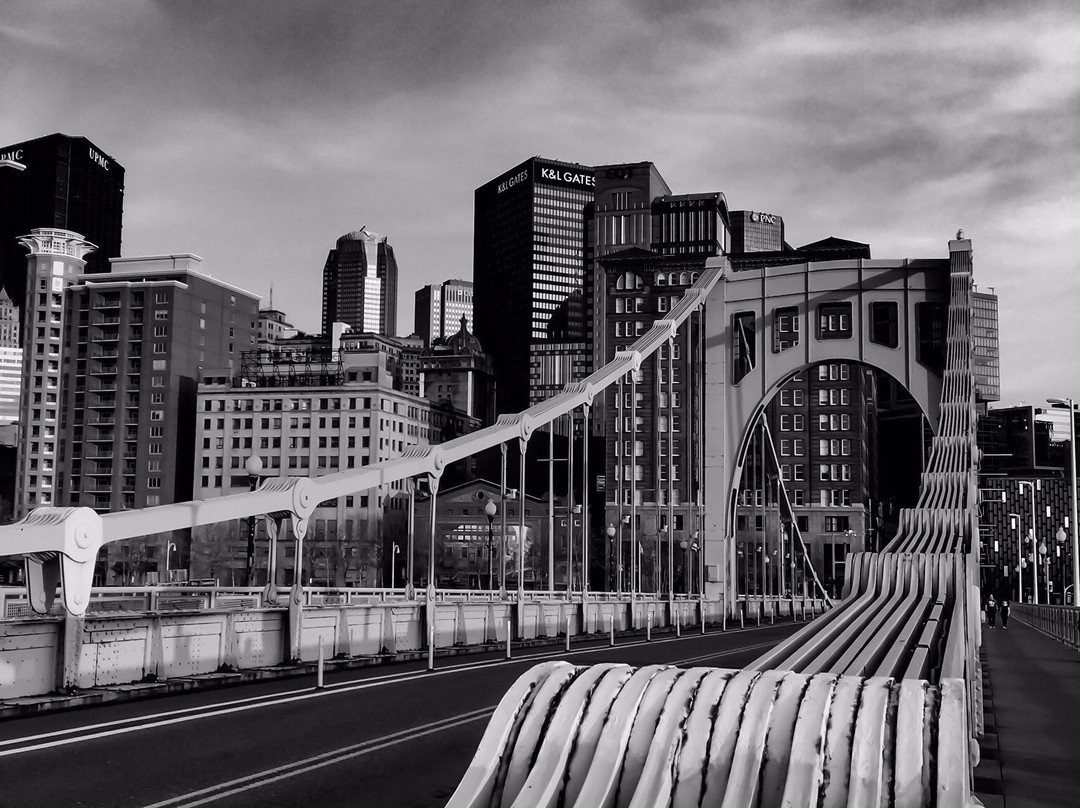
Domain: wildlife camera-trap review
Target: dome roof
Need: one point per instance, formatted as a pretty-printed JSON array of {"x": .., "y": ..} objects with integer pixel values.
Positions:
[{"x": 464, "y": 342}]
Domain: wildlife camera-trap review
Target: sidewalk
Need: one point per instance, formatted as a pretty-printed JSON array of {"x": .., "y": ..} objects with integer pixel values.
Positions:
[{"x": 1033, "y": 705}]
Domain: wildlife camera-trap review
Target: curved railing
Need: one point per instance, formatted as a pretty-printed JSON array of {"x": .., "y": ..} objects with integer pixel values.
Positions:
[{"x": 877, "y": 702}]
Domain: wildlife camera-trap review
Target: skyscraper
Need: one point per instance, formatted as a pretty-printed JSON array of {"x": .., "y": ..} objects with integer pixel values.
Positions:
[
  {"x": 440, "y": 307},
  {"x": 529, "y": 260},
  {"x": 360, "y": 284},
  {"x": 68, "y": 183}
]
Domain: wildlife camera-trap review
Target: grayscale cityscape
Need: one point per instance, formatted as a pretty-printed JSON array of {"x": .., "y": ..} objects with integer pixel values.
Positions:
[{"x": 617, "y": 403}]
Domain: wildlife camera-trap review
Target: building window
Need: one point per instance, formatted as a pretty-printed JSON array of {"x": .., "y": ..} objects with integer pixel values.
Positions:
[{"x": 834, "y": 321}]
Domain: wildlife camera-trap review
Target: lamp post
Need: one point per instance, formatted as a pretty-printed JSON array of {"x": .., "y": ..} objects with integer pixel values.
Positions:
[
  {"x": 1019, "y": 556},
  {"x": 395, "y": 549},
  {"x": 1031, "y": 536},
  {"x": 253, "y": 466},
  {"x": 685, "y": 545},
  {"x": 1068, "y": 402},
  {"x": 490, "y": 509},
  {"x": 611, "y": 540},
  {"x": 169, "y": 547}
]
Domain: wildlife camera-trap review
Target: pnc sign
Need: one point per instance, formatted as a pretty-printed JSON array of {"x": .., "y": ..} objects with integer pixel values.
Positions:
[{"x": 766, "y": 218}]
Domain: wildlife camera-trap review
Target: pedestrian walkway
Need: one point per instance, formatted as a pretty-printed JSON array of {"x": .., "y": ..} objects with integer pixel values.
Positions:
[{"x": 1033, "y": 707}]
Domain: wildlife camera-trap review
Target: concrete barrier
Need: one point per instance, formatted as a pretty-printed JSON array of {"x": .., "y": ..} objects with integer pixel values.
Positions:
[{"x": 40, "y": 655}]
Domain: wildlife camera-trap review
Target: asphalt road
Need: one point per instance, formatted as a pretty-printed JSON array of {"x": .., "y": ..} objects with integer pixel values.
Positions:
[{"x": 395, "y": 736}]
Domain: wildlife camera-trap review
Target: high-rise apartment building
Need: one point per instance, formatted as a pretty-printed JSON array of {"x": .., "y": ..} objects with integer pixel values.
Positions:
[
  {"x": 68, "y": 183},
  {"x": 529, "y": 262},
  {"x": 440, "y": 307},
  {"x": 360, "y": 281},
  {"x": 56, "y": 259},
  {"x": 139, "y": 338}
]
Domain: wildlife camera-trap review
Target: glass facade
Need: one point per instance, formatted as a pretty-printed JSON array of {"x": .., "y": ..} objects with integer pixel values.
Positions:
[{"x": 984, "y": 327}]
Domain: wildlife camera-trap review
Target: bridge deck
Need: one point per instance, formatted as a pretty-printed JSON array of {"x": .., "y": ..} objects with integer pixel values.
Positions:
[{"x": 1035, "y": 693}]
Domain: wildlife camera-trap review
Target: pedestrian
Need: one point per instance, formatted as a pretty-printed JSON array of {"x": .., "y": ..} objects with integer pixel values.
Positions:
[
  {"x": 991, "y": 611},
  {"x": 1004, "y": 614}
]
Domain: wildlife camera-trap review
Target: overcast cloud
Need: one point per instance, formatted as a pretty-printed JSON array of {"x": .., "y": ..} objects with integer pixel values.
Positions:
[{"x": 254, "y": 133}]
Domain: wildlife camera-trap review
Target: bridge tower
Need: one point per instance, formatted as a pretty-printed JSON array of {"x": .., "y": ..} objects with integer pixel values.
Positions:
[{"x": 887, "y": 314}]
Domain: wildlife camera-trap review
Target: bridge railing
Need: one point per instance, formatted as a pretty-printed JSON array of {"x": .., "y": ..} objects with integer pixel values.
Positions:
[{"x": 1060, "y": 622}]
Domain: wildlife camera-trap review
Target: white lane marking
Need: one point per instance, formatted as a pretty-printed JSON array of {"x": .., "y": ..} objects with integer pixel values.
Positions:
[
  {"x": 110, "y": 728},
  {"x": 252, "y": 781},
  {"x": 259, "y": 779}
]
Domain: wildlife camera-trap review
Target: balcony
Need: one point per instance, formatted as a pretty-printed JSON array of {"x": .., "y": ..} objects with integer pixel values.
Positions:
[
  {"x": 108, "y": 319},
  {"x": 105, "y": 354},
  {"x": 103, "y": 403},
  {"x": 100, "y": 471}
]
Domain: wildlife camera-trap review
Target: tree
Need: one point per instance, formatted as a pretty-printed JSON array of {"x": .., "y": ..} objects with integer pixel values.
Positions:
[{"x": 212, "y": 553}]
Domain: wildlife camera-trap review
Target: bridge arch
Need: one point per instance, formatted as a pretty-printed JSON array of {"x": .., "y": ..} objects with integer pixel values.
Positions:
[{"x": 767, "y": 325}]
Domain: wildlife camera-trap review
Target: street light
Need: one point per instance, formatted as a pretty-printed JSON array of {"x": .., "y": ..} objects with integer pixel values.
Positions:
[
  {"x": 490, "y": 510},
  {"x": 1068, "y": 402},
  {"x": 395, "y": 549},
  {"x": 169, "y": 547},
  {"x": 1032, "y": 486},
  {"x": 611, "y": 542},
  {"x": 685, "y": 545},
  {"x": 253, "y": 466}
]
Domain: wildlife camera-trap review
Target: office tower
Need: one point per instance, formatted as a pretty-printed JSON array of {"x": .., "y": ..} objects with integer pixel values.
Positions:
[
  {"x": 984, "y": 329},
  {"x": 139, "y": 338},
  {"x": 68, "y": 183},
  {"x": 754, "y": 231},
  {"x": 440, "y": 307},
  {"x": 360, "y": 284},
  {"x": 529, "y": 260},
  {"x": 56, "y": 259}
]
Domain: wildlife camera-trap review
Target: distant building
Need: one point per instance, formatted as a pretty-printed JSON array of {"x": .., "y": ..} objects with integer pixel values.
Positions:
[
  {"x": 754, "y": 231},
  {"x": 305, "y": 409},
  {"x": 139, "y": 338},
  {"x": 440, "y": 307},
  {"x": 56, "y": 259},
  {"x": 529, "y": 259},
  {"x": 11, "y": 356},
  {"x": 360, "y": 281},
  {"x": 69, "y": 183},
  {"x": 9, "y": 321},
  {"x": 987, "y": 353},
  {"x": 273, "y": 327},
  {"x": 455, "y": 374},
  {"x": 412, "y": 347}
]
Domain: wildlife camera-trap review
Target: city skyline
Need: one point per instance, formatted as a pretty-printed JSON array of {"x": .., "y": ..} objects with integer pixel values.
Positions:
[{"x": 900, "y": 125}]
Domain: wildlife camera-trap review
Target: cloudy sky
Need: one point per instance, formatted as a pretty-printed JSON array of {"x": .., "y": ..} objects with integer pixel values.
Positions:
[{"x": 256, "y": 133}]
